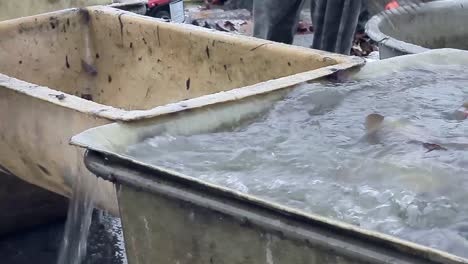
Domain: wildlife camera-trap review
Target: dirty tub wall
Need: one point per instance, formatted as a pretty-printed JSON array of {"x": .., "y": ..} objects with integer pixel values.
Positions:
[
  {"x": 10, "y": 9},
  {"x": 185, "y": 220},
  {"x": 434, "y": 25},
  {"x": 131, "y": 66},
  {"x": 25, "y": 205}
]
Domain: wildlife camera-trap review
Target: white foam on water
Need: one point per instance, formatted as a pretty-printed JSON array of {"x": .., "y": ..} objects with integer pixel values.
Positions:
[{"x": 309, "y": 152}]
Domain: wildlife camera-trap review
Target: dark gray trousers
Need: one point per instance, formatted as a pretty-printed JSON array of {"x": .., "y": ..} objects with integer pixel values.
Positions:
[
  {"x": 334, "y": 21},
  {"x": 276, "y": 20}
]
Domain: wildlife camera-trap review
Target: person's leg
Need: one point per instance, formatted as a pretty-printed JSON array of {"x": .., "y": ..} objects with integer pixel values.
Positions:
[
  {"x": 276, "y": 19},
  {"x": 318, "y": 16},
  {"x": 363, "y": 17},
  {"x": 348, "y": 25},
  {"x": 331, "y": 24},
  {"x": 335, "y": 23},
  {"x": 286, "y": 28}
]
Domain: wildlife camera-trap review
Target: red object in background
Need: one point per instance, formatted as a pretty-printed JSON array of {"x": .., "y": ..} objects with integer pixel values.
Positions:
[
  {"x": 391, "y": 5},
  {"x": 153, "y": 3}
]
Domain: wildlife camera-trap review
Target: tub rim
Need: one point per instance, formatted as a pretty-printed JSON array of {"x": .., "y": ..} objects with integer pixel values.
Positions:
[
  {"x": 374, "y": 32},
  {"x": 117, "y": 114}
]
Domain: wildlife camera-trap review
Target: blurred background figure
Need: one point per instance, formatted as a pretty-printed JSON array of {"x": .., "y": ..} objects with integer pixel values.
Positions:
[{"x": 335, "y": 22}]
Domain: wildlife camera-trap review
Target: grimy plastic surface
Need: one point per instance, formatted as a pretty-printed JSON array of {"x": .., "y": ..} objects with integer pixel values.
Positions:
[
  {"x": 70, "y": 70},
  {"x": 25, "y": 205},
  {"x": 10, "y": 9},
  {"x": 415, "y": 29},
  {"x": 169, "y": 217}
]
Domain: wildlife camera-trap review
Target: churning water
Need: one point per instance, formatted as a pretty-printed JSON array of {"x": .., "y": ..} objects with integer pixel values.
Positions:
[{"x": 310, "y": 152}]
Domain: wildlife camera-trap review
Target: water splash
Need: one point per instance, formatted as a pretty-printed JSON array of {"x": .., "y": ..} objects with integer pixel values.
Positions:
[
  {"x": 73, "y": 248},
  {"x": 307, "y": 152}
]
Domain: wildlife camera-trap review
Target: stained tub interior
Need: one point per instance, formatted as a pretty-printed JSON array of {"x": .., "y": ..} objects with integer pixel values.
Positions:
[{"x": 135, "y": 62}]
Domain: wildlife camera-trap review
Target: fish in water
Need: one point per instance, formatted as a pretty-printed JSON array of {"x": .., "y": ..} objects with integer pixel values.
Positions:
[
  {"x": 431, "y": 146},
  {"x": 373, "y": 123},
  {"x": 462, "y": 112},
  {"x": 376, "y": 122}
]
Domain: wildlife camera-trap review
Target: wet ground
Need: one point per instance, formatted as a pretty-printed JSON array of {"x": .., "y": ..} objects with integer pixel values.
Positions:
[{"x": 41, "y": 245}]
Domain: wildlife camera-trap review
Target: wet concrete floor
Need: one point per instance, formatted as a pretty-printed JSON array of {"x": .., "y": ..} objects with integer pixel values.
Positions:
[{"x": 41, "y": 245}]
